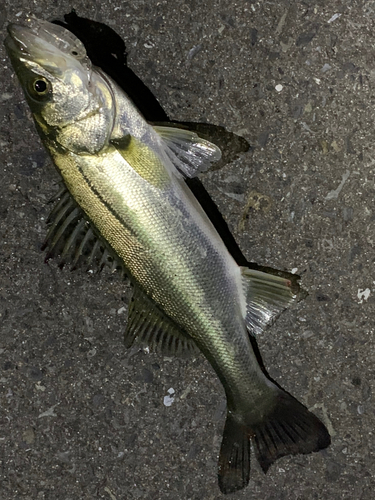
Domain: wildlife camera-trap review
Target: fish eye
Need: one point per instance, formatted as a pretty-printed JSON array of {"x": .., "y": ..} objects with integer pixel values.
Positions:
[{"x": 40, "y": 86}]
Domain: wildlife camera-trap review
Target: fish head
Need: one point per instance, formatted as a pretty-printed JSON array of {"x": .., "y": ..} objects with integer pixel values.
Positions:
[{"x": 56, "y": 75}]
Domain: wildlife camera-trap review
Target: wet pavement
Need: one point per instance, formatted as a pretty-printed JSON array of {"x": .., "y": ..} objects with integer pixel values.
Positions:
[{"x": 81, "y": 417}]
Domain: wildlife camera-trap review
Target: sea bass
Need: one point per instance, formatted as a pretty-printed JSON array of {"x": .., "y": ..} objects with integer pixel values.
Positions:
[{"x": 127, "y": 180}]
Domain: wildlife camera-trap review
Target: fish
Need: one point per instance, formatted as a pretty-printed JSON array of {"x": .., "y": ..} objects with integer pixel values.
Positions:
[{"x": 125, "y": 198}]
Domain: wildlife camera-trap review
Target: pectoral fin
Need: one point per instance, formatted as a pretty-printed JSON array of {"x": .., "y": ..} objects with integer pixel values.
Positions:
[
  {"x": 149, "y": 326},
  {"x": 143, "y": 160}
]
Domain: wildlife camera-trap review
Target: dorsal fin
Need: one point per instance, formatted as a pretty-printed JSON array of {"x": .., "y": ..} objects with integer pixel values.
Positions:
[
  {"x": 72, "y": 238},
  {"x": 149, "y": 326}
]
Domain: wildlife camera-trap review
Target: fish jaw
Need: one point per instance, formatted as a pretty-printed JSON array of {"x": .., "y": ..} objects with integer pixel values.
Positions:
[
  {"x": 46, "y": 44},
  {"x": 76, "y": 109}
]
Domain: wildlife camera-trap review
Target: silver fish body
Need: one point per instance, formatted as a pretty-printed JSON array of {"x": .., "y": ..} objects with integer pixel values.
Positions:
[{"x": 128, "y": 178}]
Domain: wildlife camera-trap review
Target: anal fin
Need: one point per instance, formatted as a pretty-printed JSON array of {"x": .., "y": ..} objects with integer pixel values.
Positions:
[{"x": 267, "y": 295}]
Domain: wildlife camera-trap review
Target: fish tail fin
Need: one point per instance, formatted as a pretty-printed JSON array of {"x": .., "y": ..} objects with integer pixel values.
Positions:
[
  {"x": 234, "y": 459},
  {"x": 289, "y": 428}
]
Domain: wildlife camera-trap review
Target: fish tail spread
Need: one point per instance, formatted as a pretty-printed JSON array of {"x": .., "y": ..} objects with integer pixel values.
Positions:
[{"x": 288, "y": 429}]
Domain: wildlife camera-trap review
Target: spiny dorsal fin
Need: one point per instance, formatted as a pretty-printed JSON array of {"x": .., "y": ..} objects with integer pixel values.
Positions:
[
  {"x": 149, "y": 326},
  {"x": 72, "y": 238},
  {"x": 188, "y": 152},
  {"x": 267, "y": 295}
]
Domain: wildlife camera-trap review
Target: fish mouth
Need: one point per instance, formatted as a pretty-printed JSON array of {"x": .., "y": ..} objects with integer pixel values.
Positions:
[
  {"x": 44, "y": 43},
  {"x": 36, "y": 32},
  {"x": 13, "y": 43},
  {"x": 25, "y": 39}
]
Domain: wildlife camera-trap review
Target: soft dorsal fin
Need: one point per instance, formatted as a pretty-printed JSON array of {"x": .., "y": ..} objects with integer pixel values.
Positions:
[
  {"x": 267, "y": 295},
  {"x": 188, "y": 152},
  {"x": 149, "y": 326},
  {"x": 72, "y": 238}
]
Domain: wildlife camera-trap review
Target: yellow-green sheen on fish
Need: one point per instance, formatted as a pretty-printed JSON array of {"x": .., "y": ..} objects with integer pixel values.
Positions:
[{"x": 129, "y": 180}]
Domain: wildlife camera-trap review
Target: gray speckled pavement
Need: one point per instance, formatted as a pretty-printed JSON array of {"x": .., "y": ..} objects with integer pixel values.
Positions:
[{"x": 81, "y": 417}]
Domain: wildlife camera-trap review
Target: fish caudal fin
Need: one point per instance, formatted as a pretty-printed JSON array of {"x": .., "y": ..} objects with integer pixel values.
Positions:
[
  {"x": 234, "y": 459},
  {"x": 289, "y": 429}
]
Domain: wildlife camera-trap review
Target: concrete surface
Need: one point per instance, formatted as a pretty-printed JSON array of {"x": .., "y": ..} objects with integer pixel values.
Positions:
[{"x": 82, "y": 418}]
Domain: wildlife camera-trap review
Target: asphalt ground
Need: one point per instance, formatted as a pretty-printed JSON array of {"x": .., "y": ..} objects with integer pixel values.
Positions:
[{"x": 83, "y": 418}]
